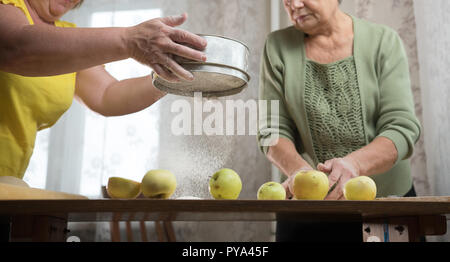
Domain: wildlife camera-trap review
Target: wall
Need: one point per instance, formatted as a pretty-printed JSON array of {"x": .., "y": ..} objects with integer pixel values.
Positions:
[{"x": 433, "y": 38}]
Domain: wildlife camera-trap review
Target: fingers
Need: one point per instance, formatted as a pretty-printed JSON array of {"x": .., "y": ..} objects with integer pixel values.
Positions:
[
  {"x": 185, "y": 37},
  {"x": 334, "y": 178},
  {"x": 182, "y": 36},
  {"x": 325, "y": 167},
  {"x": 285, "y": 184},
  {"x": 170, "y": 70},
  {"x": 336, "y": 193},
  {"x": 185, "y": 51},
  {"x": 329, "y": 164},
  {"x": 174, "y": 20},
  {"x": 178, "y": 70},
  {"x": 165, "y": 73},
  {"x": 335, "y": 172}
]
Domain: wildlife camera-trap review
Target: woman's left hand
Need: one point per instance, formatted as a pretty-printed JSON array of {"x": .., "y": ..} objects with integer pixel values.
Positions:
[{"x": 340, "y": 171}]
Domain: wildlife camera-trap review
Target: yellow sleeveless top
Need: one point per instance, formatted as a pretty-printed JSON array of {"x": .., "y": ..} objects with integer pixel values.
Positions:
[{"x": 27, "y": 105}]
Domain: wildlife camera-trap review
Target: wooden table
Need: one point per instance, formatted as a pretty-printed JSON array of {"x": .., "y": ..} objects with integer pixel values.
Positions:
[{"x": 389, "y": 219}]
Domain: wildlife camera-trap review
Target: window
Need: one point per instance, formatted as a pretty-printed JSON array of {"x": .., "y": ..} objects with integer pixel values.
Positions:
[{"x": 125, "y": 146}]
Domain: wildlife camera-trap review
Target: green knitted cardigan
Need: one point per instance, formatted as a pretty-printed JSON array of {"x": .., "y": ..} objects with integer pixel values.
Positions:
[
  {"x": 333, "y": 108},
  {"x": 385, "y": 91}
]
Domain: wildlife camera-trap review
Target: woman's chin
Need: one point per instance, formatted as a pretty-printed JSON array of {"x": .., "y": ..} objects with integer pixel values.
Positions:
[
  {"x": 57, "y": 12},
  {"x": 303, "y": 26}
]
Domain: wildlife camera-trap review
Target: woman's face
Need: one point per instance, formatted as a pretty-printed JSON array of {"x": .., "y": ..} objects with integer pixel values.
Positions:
[
  {"x": 308, "y": 14},
  {"x": 52, "y": 10}
]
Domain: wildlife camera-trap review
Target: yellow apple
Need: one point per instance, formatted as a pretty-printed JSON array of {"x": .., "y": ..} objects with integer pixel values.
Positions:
[
  {"x": 225, "y": 184},
  {"x": 119, "y": 187},
  {"x": 360, "y": 188},
  {"x": 271, "y": 191},
  {"x": 310, "y": 185},
  {"x": 158, "y": 183}
]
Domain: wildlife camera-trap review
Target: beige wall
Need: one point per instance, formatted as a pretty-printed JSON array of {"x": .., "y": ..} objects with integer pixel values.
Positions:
[{"x": 433, "y": 43}]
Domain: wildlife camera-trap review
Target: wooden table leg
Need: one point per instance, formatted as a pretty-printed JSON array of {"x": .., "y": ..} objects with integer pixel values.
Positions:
[
  {"x": 115, "y": 228},
  {"x": 143, "y": 231},
  {"x": 403, "y": 229},
  {"x": 129, "y": 227},
  {"x": 170, "y": 233},
  {"x": 159, "y": 231},
  {"x": 129, "y": 231},
  {"x": 38, "y": 229}
]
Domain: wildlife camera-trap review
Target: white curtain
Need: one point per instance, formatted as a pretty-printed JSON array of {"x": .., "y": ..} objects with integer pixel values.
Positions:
[{"x": 433, "y": 40}]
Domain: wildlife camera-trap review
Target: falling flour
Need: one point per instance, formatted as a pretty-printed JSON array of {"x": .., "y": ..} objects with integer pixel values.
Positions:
[
  {"x": 192, "y": 158},
  {"x": 201, "y": 157}
]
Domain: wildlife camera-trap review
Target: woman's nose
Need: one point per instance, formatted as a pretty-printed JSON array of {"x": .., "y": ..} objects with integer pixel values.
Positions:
[{"x": 297, "y": 4}]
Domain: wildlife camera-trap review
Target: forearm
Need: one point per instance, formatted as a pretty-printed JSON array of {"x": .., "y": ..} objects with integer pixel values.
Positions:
[
  {"x": 285, "y": 156},
  {"x": 129, "y": 96},
  {"x": 377, "y": 157},
  {"x": 42, "y": 50}
]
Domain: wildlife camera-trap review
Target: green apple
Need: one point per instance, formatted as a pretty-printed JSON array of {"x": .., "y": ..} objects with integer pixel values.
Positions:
[
  {"x": 271, "y": 191},
  {"x": 360, "y": 188},
  {"x": 310, "y": 185},
  {"x": 119, "y": 187},
  {"x": 225, "y": 184},
  {"x": 159, "y": 184}
]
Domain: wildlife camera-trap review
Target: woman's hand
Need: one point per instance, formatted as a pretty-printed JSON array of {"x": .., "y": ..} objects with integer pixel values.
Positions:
[
  {"x": 287, "y": 184},
  {"x": 340, "y": 171},
  {"x": 154, "y": 43}
]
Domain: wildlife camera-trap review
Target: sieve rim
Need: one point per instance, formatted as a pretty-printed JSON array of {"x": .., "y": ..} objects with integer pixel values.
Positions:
[
  {"x": 218, "y": 65},
  {"x": 222, "y": 93},
  {"x": 226, "y": 37}
]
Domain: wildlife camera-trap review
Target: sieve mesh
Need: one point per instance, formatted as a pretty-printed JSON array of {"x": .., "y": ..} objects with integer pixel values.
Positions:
[{"x": 209, "y": 83}]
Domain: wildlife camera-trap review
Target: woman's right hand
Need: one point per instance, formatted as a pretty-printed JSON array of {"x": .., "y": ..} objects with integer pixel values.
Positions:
[
  {"x": 287, "y": 184},
  {"x": 154, "y": 43}
]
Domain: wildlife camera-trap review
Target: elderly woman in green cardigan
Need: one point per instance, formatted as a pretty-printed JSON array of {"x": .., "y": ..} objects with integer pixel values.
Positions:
[{"x": 346, "y": 106}]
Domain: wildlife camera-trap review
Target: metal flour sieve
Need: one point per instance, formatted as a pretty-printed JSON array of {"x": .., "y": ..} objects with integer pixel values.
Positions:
[{"x": 224, "y": 73}]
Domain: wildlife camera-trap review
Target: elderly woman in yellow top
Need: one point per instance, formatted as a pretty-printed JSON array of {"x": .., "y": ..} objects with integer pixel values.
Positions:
[
  {"x": 346, "y": 106},
  {"x": 45, "y": 62}
]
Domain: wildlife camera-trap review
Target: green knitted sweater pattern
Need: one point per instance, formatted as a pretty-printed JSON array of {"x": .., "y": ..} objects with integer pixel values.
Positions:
[{"x": 334, "y": 109}]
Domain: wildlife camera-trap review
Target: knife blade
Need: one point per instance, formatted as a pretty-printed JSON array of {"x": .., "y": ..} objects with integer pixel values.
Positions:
[{"x": 333, "y": 186}]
